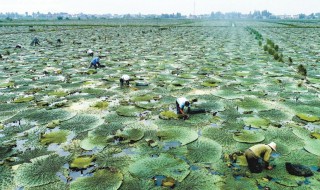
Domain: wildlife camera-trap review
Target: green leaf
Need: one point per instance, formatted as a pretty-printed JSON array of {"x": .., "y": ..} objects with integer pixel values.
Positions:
[
  {"x": 101, "y": 179},
  {"x": 165, "y": 165},
  {"x": 167, "y": 115},
  {"x": 200, "y": 179},
  {"x": 55, "y": 137},
  {"x": 204, "y": 150},
  {"x": 128, "y": 111},
  {"x": 248, "y": 137},
  {"x": 181, "y": 134},
  {"x": 41, "y": 171},
  {"x": 313, "y": 146},
  {"x": 308, "y": 117},
  {"x": 6, "y": 178},
  {"x": 256, "y": 122},
  {"x": 81, "y": 123},
  {"x": 81, "y": 162}
]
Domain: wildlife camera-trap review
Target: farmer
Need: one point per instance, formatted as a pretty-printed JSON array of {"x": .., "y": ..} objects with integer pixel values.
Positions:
[
  {"x": 95, "y": 61},
  {"x": 124, "y": 78},
  {"x": 90, "y": 52},
  {"x": 35, "y": 41},
  {"x": 181, "y": 103},
  {"x": 258, "y": 154},
  {"x": 18, "y": 46}
]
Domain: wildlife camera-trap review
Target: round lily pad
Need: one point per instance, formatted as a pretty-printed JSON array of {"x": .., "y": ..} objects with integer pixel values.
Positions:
[
  {"x": 256, "y": 122},
  {"x": 165, "y": 165},
  {"x": 128, "y": 111},
  {"x": 101, "y": 179},
  {"x": 313, "y": 146},
  {"x": 181, "y": 134},
  {"x": 204, "y": 150},
  {"x": 248, "y": 137}
]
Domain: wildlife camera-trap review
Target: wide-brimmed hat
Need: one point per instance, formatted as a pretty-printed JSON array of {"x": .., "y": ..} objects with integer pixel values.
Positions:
[{"x": 273, "y": 145}]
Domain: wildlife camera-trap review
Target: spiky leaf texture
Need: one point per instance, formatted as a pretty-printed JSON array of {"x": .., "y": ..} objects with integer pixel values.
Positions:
[
  {"x": 222, "y": 136},
  {"x": 144, "y": 150},
  {"x": 204, "y": 150},
  {"x": 101, "y": 179},
  {"x": 165, "y": 165},
  {"x": 248, "y": 137},
  {"x": 81, "y": 123},
  {"x": 273, "y": 115},
  {"x": 132, "y": 183},
  {"x": 200, "y": 180},
  {"x": 6, "y": 178},
  {"x": 256, "y": 122},
  {"x": 27, "y": 155},
  {"x": 285, "y": 139},
  {"x": 241, "y": 184},
  {"x": 181, "y": 134},
  {"x": 128, "y": 111},
  {"x": 41, "y": 171},
  {"x": 251, "y": 104},
  {"x": 131, "y": 134},
  {"x": 113, "y": 158},
  {"x": 51, "y": 186}
]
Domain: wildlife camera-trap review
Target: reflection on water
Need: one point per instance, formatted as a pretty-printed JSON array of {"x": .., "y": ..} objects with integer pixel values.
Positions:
[{"x": 55, "y": 147}]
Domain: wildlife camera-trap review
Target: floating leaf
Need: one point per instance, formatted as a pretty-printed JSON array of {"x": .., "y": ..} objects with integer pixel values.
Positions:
[
  {"x": 101, "y": 105},
  {"x": 23, "y": 99},
  {"x": 41, "y": 171},
  {"x": 6, "y": 178},
  {"x": 240, "y": 184},
  {"x": 200, "y": 179},
  {"x": 251, "y": 104},
  {"x": 168, "y": 115},
  {"x": 204, "y": 150},
  {"x": 113, "y": 158},
  {"x": 181, "y": 134},
  {"x": 273, "y": 115},
  {"x": 256, "y": 122},
  {"x": 146, "y": 97},
  {"x": 248, "y": 137},
  {"x": 101, "y": 179},
  {"x": 130, "y": 134},
  {"x": 308, "y": 117},
  {"x": 313, "y": 146},
  {"x": 165, "y": 165},
  {"x": 128, "y": 111},
  {"x": 81, "y": 162},
  {"x": 55, "y": 137},
  {"x": 81, "y": 122},
  {"x": 223, "y": 137}
]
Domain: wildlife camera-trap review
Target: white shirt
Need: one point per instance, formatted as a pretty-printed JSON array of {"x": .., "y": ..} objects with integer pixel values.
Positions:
[
  {"x": 125, "y": 77},
  {"x": 181, "y": 101},
  {"x": 89, "y": 51}
]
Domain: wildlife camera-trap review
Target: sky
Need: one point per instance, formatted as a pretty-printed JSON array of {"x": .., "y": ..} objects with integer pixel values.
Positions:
[{"x": 185, "y": 7}]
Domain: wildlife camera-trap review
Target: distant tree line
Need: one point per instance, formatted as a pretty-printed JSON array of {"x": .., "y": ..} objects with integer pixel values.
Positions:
[{"x": 214, "y": 15}]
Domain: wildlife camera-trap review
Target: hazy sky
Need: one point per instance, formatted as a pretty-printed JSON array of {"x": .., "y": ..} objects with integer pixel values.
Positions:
[{"x": 159, "y": 6}]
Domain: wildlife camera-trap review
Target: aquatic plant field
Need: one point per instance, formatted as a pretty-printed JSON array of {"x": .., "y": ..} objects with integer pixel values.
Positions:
[{"x": 64, "y": 126}]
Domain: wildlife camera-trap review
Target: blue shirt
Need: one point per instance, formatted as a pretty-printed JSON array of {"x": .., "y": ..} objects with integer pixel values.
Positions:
[{"x": 95, "y": 60}]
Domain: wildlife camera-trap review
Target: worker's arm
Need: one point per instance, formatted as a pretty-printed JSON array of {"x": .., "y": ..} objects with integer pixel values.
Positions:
[
  {"x": 266, "y": 158},
  {"x": 181, "y": 110}
]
